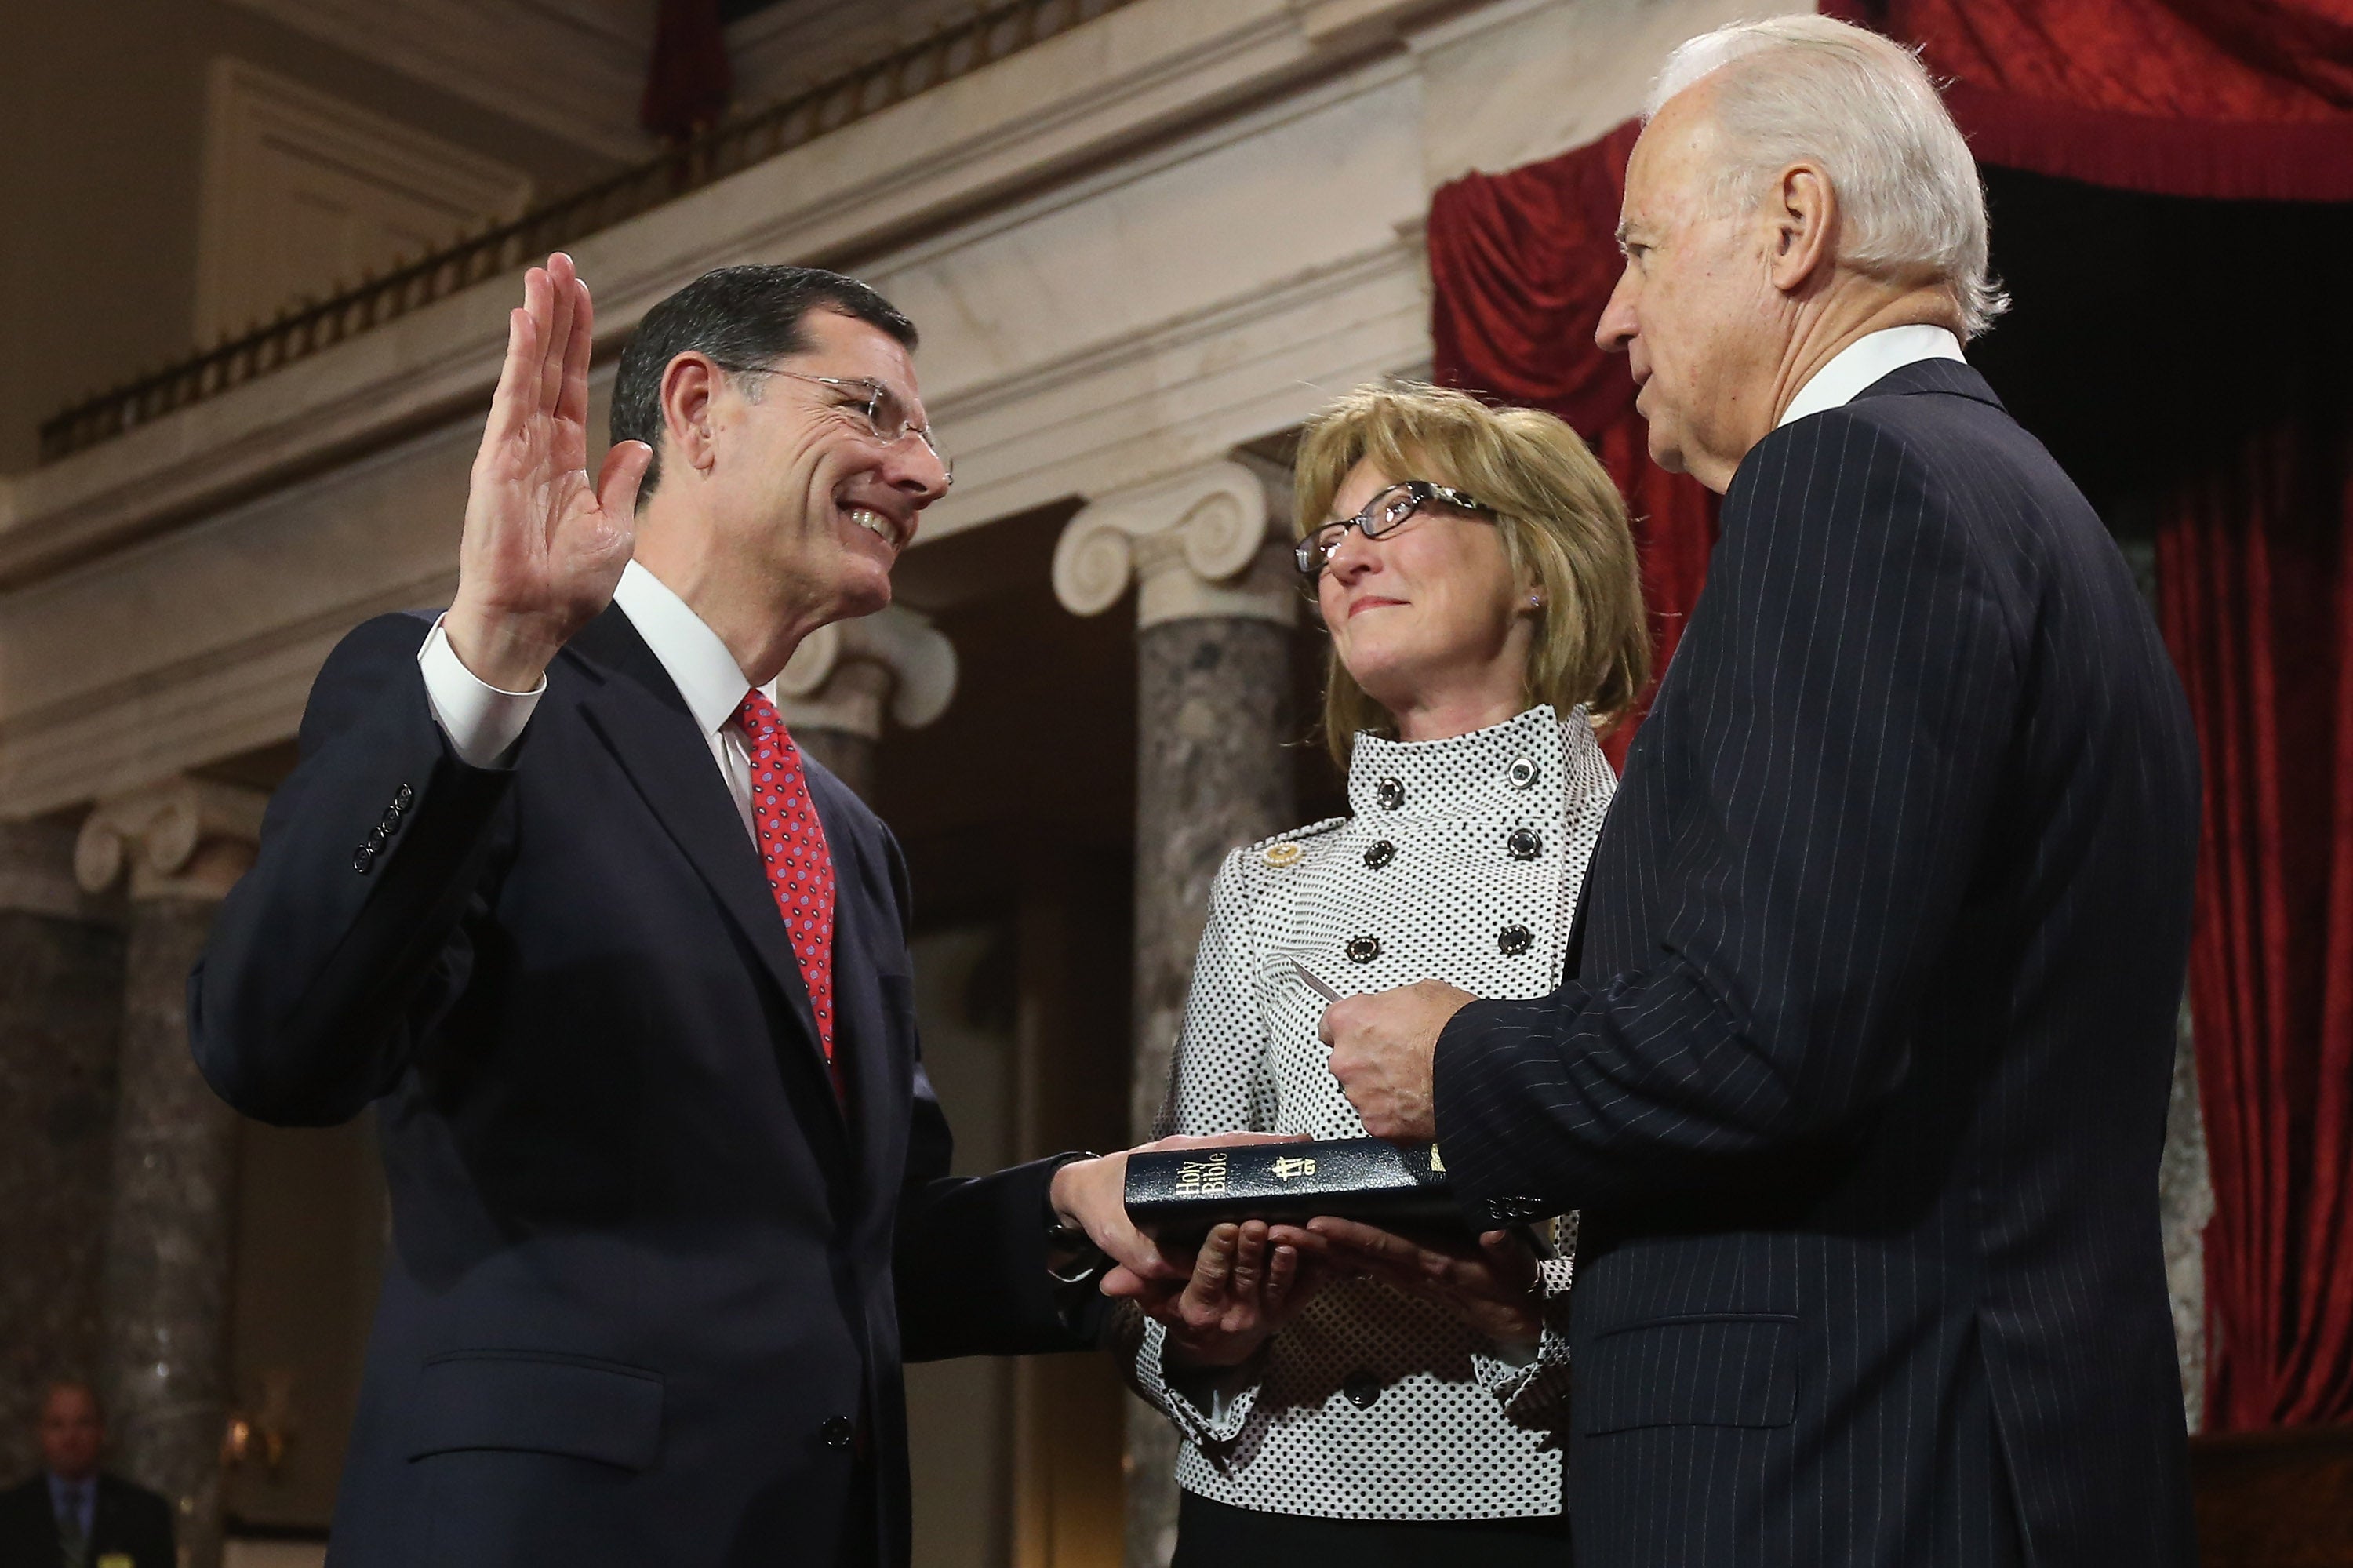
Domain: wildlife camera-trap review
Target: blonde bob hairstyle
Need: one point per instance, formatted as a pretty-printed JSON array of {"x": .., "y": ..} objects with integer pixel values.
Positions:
[{"x": 1564, "y": 528}]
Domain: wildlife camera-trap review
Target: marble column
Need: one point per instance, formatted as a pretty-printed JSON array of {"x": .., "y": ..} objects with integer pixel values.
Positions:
[
  {"x": 1216, "y": 601},
  {"x": 846, "y": 678},
  {"x": 2185, "y": 1203},
  {"x": 163, "y": 1360},
  {"x": 61, "y": 1007}
]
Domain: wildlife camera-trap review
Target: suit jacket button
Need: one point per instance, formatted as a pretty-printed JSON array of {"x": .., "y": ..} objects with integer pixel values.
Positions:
[
  {"x": 1392, "y": 794},
  {"x": 363, "y": 858},
  {"x": 1523, "y": 844},
  {"x": 1363, "y": 1388},
  {"x": 1380, "y": 854},
  {"x": 1514, "y": 939},
  {"x": 1364, "y": 950},
  {"x": 836, "y": 1431},
  {"x": 403, "y": 796}
]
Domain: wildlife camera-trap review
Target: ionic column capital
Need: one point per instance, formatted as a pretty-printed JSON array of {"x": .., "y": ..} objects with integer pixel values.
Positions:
[
  {"x": 1200, "y": 544},
  {"x": 846, "y": 676},
  {"x": 180, "y": 838}
]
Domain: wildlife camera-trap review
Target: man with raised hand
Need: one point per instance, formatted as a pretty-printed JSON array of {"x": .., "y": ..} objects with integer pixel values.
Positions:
[
  {"x": 1861, "y": 1081},
  {"x": 626, "y": 976}
]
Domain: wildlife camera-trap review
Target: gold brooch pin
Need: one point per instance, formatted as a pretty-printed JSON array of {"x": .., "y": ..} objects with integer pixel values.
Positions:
[{"x": 1280, "y": 855}]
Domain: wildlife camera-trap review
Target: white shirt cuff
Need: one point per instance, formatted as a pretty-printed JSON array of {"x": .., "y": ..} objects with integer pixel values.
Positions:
[{"x": 481, "y": 722}]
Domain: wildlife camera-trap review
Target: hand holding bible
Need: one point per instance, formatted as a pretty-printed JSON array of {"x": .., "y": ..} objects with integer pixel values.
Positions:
[
  {"x": 1091, "y": 1196},
  {"x": 544, "y": 547}
]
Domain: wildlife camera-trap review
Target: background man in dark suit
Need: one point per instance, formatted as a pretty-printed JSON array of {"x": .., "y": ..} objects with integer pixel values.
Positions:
[
  {"x": 1861, "y": 1080},
  {"x": 73, "y": 1514},
  {"x": 627, "y": 978}
]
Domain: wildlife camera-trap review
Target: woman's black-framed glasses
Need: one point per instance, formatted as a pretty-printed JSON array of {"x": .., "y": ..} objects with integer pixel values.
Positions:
[
  {"x": 886, "y": 412},
  {"x": 1384, "y": 514}
]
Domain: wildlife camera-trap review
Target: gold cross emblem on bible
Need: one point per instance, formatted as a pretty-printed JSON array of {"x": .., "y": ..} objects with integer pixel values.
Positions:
[{"x": 1287, "y": 1166}]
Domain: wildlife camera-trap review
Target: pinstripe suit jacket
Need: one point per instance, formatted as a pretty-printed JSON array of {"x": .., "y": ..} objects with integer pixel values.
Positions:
[{"x": 1861, "y": 1083}]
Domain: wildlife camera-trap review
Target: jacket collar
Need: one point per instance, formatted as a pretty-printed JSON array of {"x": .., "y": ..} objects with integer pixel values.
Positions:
[
  {"x": 701, "y": 669},
  {"x": 1865, "y": 362},
  {"x": 647, "y": 725},
  {"x": 1524, "y": 767},
  {"x": 1942, "y": 376}
]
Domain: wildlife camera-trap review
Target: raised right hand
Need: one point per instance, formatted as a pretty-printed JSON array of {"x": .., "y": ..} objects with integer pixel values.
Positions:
[{"x": 542, "y": 548}]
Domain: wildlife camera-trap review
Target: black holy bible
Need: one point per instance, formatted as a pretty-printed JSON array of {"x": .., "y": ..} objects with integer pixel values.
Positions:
[{"x": 1180, "y": 1193}]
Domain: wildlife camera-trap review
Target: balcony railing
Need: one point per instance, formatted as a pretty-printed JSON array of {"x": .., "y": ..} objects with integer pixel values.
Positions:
[{"x": 306, "y": 327}]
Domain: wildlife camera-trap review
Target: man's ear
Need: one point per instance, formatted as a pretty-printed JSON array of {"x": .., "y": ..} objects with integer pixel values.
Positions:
[
  {"x": 689, "y": 386},
  {"x": 1803, "y": 213}
]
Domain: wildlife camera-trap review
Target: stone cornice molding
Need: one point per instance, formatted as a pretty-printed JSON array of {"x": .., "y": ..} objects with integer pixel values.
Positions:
[
  {"x": 1358, "y": 21},
  {"x": 576, "y": 68},
  {"x": 179, "y": 838},
  {"x": 846, "y": 676},
  {"x": 1196, "y": 544},
  {"x": 570, "y": 68}
]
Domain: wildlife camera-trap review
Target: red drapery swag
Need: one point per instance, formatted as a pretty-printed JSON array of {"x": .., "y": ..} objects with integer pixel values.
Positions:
[
  {"x": 1521, "y": 264},
  {"x": 2243, "y": 100},
  {"x": 2256, "y": 581},
  {"x": 688, "y": 80}
]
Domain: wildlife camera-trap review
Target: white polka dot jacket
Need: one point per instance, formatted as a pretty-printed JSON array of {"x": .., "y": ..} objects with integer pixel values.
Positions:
[{"x": 1462, "y": 861}]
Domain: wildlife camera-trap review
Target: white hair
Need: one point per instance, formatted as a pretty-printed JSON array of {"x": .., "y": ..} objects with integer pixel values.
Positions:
[{"x": 1815, "y": 90}]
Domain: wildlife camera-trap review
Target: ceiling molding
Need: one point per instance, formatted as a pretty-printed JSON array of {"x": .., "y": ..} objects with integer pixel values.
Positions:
[
  {"x": 571, "y": 68},
  {"x": 576, "y": 67}
]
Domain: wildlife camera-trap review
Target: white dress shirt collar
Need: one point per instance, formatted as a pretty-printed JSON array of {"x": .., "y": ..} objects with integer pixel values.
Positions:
[
  {"x": 1864, "y": 361},
  {"x": 697, "y": 661}
]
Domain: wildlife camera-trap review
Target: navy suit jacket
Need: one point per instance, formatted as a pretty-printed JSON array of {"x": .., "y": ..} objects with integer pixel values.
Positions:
[
  {"x": 1862, "y": 1080},
  {"x": 649, "y": 1288}
]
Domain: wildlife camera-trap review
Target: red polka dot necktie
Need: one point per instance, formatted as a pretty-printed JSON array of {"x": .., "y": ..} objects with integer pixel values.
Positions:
[{"x": 793, "y": 853}]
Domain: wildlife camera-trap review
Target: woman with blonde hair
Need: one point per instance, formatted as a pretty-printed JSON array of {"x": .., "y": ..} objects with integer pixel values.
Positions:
[{"x": 1391, "y": 1401}]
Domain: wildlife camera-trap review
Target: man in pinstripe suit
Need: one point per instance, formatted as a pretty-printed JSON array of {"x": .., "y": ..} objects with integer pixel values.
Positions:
[{"x": 1859, "y": 1080}]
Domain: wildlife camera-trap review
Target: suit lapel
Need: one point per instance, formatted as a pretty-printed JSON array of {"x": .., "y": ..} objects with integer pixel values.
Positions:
[{"x": 644, "y": 722}]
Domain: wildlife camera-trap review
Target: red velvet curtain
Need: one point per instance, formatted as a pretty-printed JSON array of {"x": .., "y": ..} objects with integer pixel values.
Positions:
[
  {"x": 2244, "y": 100},
  {"x": 2256, "y": 583},
  {"x": 1521, "y": 264}
]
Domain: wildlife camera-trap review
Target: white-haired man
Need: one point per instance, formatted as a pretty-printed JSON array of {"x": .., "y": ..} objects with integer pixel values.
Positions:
[{"x": 1860, "y": 1077}]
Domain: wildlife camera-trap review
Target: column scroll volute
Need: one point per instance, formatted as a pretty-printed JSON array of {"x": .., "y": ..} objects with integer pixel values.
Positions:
[
  {"x": 850, "y": 674},
  {"x": 189, "y": 837},
  {"x": 1199, "y": 544}
]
